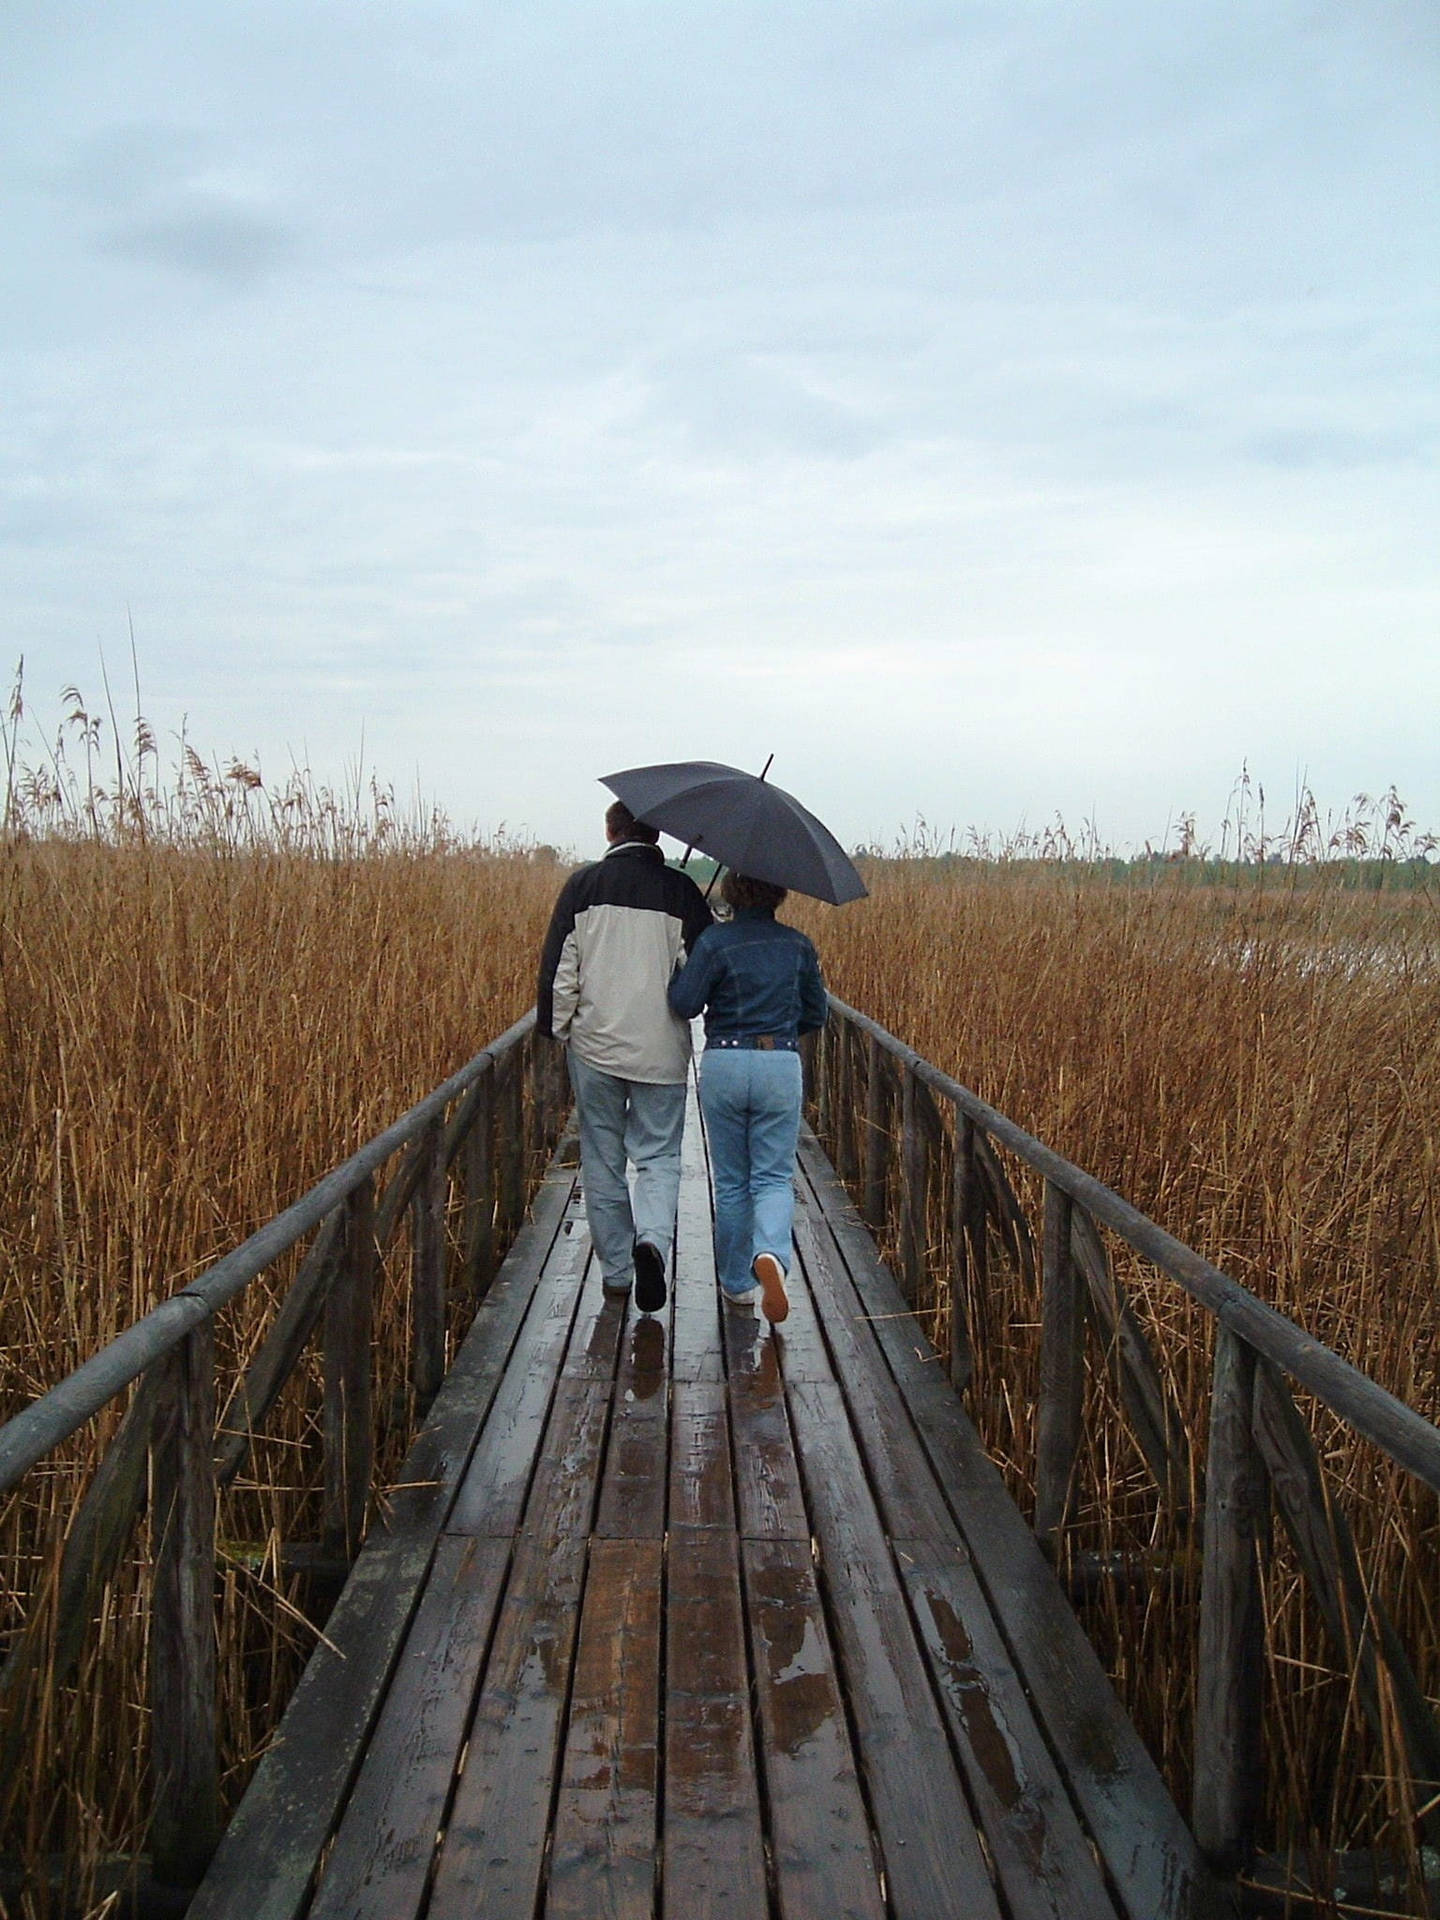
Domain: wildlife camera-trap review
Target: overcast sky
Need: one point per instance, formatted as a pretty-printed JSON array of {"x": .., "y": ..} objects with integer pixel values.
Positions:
[{"x": 991, "y": 410}]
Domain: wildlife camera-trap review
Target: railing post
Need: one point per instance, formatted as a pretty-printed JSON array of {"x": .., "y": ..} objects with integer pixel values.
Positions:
[
  {"x": 1228, "y": 1778},
  {"x": 872, "y": 1200},
  {"x": 427, "y": 1270},
  {"x": 534, "y": 1074},
  {"x": 824, "y": 1077},
  {"x": 185, "y": 1823},
  {"x": 1062, "y": 1375},
  {"x": 915, "y": 1180},
  {"x": 349, "y": 1444},
  {"x": 479, "y": 1181},
  {"x": 845, "y": 1119},
  {"x": 962, "y": 1210},
  {"x": 512, "y": 1142}
]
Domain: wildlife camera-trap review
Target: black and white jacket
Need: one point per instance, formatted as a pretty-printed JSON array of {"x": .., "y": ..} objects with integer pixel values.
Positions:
[{"x": 619, "y": 930}]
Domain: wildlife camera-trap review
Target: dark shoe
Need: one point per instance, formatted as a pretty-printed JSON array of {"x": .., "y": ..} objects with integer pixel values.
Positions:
[
  {"x": 774, "y": 1301},
  {"x": 649, "y": 1277}
]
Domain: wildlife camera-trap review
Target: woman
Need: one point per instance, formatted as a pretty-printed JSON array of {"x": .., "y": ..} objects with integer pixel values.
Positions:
[{"x": 760, "y": 987}]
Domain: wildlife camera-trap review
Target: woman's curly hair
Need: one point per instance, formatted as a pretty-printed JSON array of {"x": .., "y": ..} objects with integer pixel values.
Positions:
[{"x": 741, "y": 892}]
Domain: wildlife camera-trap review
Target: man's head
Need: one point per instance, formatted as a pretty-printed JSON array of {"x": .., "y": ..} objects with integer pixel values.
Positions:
[{"x": 621, "y": 824}]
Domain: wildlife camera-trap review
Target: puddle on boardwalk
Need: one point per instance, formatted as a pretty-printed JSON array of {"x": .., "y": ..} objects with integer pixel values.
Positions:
[{"x": 802, "y": 1689}]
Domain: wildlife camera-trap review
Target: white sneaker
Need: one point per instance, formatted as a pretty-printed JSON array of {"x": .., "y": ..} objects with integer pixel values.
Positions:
[
  {"x": 774, "y": 1301},
  {"x": 745, "y": 1298}
]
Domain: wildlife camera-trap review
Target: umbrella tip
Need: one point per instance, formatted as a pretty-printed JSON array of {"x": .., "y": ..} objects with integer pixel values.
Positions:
[{"x": 767, "y": 766}]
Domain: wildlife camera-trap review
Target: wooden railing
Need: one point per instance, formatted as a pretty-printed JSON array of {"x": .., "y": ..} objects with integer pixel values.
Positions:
[
  {"x": 922, "y": 1154},
  {"x": 484, "y": 1131}
]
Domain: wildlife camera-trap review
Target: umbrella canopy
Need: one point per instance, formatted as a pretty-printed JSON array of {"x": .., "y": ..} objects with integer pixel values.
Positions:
[{"x": 743, "y": 822}]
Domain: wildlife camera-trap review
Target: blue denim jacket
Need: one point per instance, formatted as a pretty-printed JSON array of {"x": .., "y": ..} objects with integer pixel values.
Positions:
[{"x": 752, "y": 975}]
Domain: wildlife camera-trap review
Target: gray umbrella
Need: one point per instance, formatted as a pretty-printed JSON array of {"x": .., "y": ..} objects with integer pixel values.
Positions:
[{"x": 742, "y": 821}]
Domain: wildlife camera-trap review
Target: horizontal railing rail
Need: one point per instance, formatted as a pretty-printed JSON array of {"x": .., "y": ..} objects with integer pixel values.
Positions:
[
  {"x": 936, "y": 1190},
  {"x": 489, "y": 1126}
]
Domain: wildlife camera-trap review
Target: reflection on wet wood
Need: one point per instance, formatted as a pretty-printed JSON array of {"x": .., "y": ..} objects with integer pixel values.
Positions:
[
  {"x": 819, "y": 1833},
  {"x": 494, "y": 1845},
  {"x": 713, "y": 1864},
  {"x": 603, "y": 1855}
]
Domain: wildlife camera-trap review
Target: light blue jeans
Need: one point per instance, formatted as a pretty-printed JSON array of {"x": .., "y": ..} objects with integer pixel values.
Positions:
[
  {"x": 637, "y": 1121},
  {"x": 751, "y": 1103}
]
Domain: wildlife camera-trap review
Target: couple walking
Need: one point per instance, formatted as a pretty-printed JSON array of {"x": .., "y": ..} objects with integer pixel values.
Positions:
[{"x": 631, "y": 957}]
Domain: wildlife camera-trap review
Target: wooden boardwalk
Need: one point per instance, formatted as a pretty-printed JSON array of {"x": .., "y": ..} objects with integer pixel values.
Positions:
[{"x": 681, "y": 1616}]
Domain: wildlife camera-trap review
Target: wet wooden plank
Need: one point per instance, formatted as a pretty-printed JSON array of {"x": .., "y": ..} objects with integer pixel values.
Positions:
[
  {"x": 270, "y": 1850},
  {"x": 380, "y": 1862},
  {"x": 1041, "y": 1856},
  {"x": 603, "y": 1853},
  {"x": 713, "y": 1850},
  {"x": 562, "y": 1494},
  {"x": 803, "y": 1353},
  {"x": 595, "y": 1337},
  {"x": 933, "y": 1859},
  {"x": 819, "y": 1833},
  {"x": 701, "y": 1493},
  {"x": 494, "y": 1845},
  {"x": 632, "y": 1489},
  {"x": 496, "y": 1482},
  {"x": 696, "y": 1353},
  {"x": 767, "y": 1476},
  {"x": 1043, "y": 1860},
  {"x": 1149, "y": 1853},
  {"x": 910, "y": 1501}
]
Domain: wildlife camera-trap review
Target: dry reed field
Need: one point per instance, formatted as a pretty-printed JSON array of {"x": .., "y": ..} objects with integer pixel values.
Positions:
[
  {"x": 1257, "y": 1066},
  {"x": 209, "y": 995},
  {"x": 211, "y": 991}
]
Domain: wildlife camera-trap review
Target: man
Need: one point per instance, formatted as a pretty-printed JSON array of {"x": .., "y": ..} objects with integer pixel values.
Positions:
[{"x": 619, "y": 929}]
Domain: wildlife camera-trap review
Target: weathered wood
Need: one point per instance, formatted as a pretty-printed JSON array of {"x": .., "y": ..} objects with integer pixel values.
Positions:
[
  {"x": 819, "y": 1833},
  {"x": 349, "y": 1442},
  {"x": 967, "y": 1254},
  {"x": 914, "y": 1187},
  {"x": 603, "y": 1847},
  {"x": 1043, "y": 1861},
  {"x": 767, "y": 1476},
  {"x": 701, "y": 1494},
  {"x": 1062, "y": 1375},
  {"x": 279, "y": 1353},
  {"x": 480, "y": 1190},
  {"x": 1228, "y": 1770},
  {"x": 1360, "y": 1628},
  {"x": 380, "y": 1861},
  {"x": 493, "y": 1492},
  {"x": 713, "y": 1851},
  {"x": 876, "y": 1155},
  {"x": 1149, "y": 1403},
  {"x": 184, "y": 1759},
  {"x": 845, "y": 1103},
  {"x": 499, "y": 1820},
  {"x": 427, "y": 1270},
  {"x": 632, "y": 1488},
  {"x": 933, "y": 1860},
  {"x": 512, "y": 1146}
]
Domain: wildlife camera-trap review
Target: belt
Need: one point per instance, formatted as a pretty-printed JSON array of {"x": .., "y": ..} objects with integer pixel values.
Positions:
[{"x": 764, "y": 1042}]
